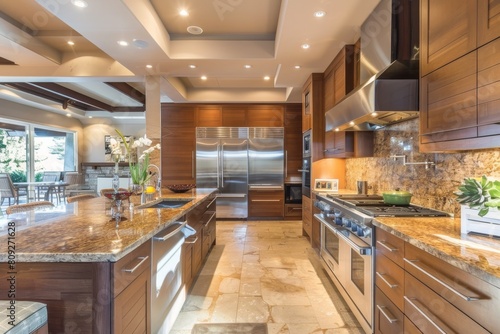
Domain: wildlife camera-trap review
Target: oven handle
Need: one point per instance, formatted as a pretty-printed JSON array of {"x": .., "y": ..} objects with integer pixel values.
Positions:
[{"x": 361, "y": 250}]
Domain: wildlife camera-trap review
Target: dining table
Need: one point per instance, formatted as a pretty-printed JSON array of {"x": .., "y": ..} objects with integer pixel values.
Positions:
[{"x": 52, "y": 187}]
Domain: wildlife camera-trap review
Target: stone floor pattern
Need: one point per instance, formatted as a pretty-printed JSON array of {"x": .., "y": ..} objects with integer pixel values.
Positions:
[{"x": 265, "y": 272}]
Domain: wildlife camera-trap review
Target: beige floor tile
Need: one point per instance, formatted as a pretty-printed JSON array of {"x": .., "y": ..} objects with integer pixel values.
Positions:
[
  {"x": 252, "y": 309},
  {"x": 225, "y": 309}
]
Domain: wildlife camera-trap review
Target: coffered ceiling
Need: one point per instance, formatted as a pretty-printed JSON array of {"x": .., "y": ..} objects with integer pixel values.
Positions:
[{"x": 96, "y": 76}]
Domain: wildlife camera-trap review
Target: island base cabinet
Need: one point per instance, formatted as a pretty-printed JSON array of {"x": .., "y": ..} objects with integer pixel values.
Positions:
[{"x": 388, "y": 318}]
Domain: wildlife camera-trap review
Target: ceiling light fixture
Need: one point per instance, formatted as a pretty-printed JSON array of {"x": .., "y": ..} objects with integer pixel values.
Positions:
[
  {"x": 90, "y": 116},
  {"x": 71, "y": 43},
  {"x": 194, "y": 30},
  {"x": 122, "y": 43},
  {"x": 297, "y": 67},
  {"x": 149, "y": 66},
  {"x": 139, "y": 43},
  {"x": 192, "y": 66},
  {"x": 68, "y": 115},
  {"x": 374, "y": 114},
  {"x": 203, "y": 77},
  {"x": 248, "y": 66},
  {"x": 79, "y": 3},
  {"x": 319, "y": 13},
  {"x": 267, "y": 77},
  {"x": 305, "y": 46},
  {"x": 183, "y": 12},
  {"x": 351, "y": 123}
]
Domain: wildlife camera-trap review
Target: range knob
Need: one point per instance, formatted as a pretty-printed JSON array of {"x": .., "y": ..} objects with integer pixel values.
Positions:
[
  {"x": 346, "y": 222},
  {"x": 354, "y": 227},
  {"x": 364, "y": 231}
]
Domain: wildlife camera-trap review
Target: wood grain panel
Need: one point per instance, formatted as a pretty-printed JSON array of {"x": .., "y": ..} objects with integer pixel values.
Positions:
[
  {"x": 488, "y": 20},
  {"x": 174, "y": 115},
  {"x": 265, "y": 116},
  {"x": 388, "y": 318},
  {"x": 208, "y": 116},
  {"x": 448, "y": 31},
  {"x": 234, "y": 116},
  {"x": 390, "y": 278},
  {"x": 266, "y": 203}
]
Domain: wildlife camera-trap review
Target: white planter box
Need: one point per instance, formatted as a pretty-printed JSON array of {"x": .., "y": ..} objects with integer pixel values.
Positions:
[{"x": 471, "y": 222}]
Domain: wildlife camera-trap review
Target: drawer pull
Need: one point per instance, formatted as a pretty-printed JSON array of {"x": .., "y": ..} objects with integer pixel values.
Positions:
[
  {"x": 422, "y": 268},
  {"x": 431, "y": 318},
  {"x": 209, "y": 219},
  {"x": 211, "y": 202},
  {"x": 387, "y": 314},
  {"x": 186, "y": 241},
  {"x": 387, "y": 246},
  {"x": 142, "y": 258},
  {"x": 266, "y": 200},
  {"x": 391, "y": 285}
]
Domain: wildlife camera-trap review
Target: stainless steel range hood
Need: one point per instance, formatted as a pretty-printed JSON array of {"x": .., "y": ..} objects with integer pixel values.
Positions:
[{"x": 388, "y": 71}]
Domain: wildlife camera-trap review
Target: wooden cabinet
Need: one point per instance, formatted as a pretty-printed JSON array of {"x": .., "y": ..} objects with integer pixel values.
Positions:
[
  {"x": 132, "y": 286},
  {"x": 266, "y": 204},
  {"x": 312, "y": 101},
  {"x": 293, "y": 211},
  {"x": 265, "y": 116},
  {"x": 315, "y": 226},
  {"x": 488, "y": 22},
  {"x": 209, "y": 116},
  {"x": 417, "y": 292},
  {"x": 348, "y": 144},
  {"x": 293, "y": 142},
  {"x": 306, "y": 216},
  {"x": 448, "y": 31},
  {"x": 234, "y": 116},
  {"x": 339, "y": 77}
]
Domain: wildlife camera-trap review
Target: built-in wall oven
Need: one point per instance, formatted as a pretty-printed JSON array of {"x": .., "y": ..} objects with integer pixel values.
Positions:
[{"x": 347, "y": 245}]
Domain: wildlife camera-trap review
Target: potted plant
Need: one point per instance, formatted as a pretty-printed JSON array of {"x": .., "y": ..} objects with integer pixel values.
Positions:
[{"x": 479, "y": 194}]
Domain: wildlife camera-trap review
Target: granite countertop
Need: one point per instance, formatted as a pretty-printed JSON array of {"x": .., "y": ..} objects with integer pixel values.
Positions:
[
  {"x": 83, "y": 231},
  {"x": 441, "y": 237}
]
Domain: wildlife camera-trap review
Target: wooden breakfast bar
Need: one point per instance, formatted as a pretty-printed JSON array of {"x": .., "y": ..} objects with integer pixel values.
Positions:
[{"x": 72, "y": 258}]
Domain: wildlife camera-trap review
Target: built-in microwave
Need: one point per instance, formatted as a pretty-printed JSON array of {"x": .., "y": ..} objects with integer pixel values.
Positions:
[{"x": 306, "y": 144}]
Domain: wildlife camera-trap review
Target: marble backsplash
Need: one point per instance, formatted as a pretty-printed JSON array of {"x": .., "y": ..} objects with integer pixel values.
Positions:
[{"x": 432, "y": 187}]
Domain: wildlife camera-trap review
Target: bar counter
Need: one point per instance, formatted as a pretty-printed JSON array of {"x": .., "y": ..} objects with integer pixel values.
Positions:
[{"x": 84, "y": 231}]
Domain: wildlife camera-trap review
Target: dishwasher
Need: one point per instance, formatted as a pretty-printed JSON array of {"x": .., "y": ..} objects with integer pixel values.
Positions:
[{"x": 166, "y": 276}]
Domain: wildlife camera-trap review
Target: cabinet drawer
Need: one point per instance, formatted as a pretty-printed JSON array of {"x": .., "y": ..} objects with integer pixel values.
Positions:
[
  {"x": 270, "y": 203},
  {"x": 433, "y": 314},
  {"x": 131, "y": 266},
  {"x": 410, "y": 328},
  {"x": 389, "y": 277},
  {"x": 388, "y": 318},
  {"x": 293, "y": 211},
  {"x": 390, "y": 246},
  {"x": 456, "y": 286}
]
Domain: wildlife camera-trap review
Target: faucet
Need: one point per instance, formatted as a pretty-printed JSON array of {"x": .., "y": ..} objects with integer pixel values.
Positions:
[{"x": 158, "y": 178}]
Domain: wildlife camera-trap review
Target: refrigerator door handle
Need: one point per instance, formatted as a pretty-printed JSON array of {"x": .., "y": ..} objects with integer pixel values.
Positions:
[
  {"x": 232, "y": 195},
  {"x": 218, "y": 165},
  {"x": 286, "y": 164},
  {"x": 222, "y": 166}
]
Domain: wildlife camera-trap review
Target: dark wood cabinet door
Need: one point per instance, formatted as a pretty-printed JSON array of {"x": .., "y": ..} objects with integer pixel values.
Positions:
[
  {"x": 293, "y": 142},
  {"x": 178, "y": 116},
  {"x": 234, "y": 116},
  {"x": 307, "y": 106},
  {"x": 265, "y": 116},
  {"x": 448, "y": 31},
  {"x": 208, "y": 116},
  {"x": 488, "y": 22},
  {"x": 266, "y": 204},
  {"x": 388, "y": 318},
  {"x": 329, "y": 86},
  {"x": 488, "y": 89},
  {"x": 178, "y": 155}
]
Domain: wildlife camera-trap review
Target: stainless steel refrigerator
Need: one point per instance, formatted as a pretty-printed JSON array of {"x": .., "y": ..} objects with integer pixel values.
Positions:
[
  {"x": 222, "y": 162},
  {"x": 266, "y": 158}
]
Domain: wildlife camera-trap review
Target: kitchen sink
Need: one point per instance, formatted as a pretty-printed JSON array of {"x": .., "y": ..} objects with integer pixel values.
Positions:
[{"x": 166, "y": 203}]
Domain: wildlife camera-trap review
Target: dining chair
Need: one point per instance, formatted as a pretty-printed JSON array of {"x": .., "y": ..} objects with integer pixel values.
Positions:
[
  {"x": 48, "y": 177},
  {"x": 28, "y": 207},
  {"x": 81, "y": 197},
  {"x": 7, "y": 189}
]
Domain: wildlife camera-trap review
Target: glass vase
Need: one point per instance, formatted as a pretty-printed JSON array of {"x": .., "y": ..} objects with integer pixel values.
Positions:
[{"x": 138, "y": 189}]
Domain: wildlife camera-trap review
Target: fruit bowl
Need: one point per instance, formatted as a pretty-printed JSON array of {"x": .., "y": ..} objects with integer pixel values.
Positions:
[
  {"x": 180, "y": 188},
  {"x": 120, "y": 195}
]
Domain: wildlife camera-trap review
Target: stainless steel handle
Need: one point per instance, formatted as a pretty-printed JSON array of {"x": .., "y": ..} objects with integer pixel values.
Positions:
[
  {"x": 192, "y": 164},
  {"x": 303, "y": 170},
  {"x": 211, "y": 202},
  {"x": 210, "y": 219},
  {"x": 361, "y": 250},
  {"x": 264, "y": 187},
  {"x": 231, "y": 195},
  {"x": 387, "y": 314},
  {"x": 420, "y": 309},
  {"x": 142, "y": 258},
  {"x": 391, "y": 285},
  {"x": 266, "y": 200},
  {"x": 170, "y": 234},
  {"x": 191, "y": 241},
  {"x": 222, "y": 165},
  {"x": 387, "y": 246},
  {"x": 422, "y": 268},
  {"x": 218, "y": 163}
]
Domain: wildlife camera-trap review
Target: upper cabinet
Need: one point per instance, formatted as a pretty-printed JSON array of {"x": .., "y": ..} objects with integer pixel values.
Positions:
[
  {"x": 460, "y": 85},
  {"x": 313, "y": 117},
  {"x": 293, "y": 142},
  {"x": 448, "y": 31},
  {"x": 339, "y": 77},
  {"x": 488, "y": 23},
  {"x": 265, "y": 116},
  {"x": 208, "y": 116}
]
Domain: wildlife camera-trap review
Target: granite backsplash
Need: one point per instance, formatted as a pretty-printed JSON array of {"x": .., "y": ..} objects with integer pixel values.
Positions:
[{"x": 432, "y": 187}]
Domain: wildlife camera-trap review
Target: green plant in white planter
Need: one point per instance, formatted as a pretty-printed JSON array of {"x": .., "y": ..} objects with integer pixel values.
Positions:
[{"x": 481, "y": 194}]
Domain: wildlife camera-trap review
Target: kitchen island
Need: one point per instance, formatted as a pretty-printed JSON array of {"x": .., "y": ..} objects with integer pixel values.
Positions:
[
  {"x": 431, "y": 277},
  {"x": 73, "y": 258}
]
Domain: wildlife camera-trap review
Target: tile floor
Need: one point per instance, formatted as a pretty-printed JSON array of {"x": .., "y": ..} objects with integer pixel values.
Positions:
[{"x": 265, "y": 272}]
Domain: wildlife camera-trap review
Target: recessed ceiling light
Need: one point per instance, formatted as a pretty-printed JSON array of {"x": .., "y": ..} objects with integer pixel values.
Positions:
[
  {"x": 374, "y": 114},
  {"x": 71, "y": 43},
  {"x": 305, "y": 46},
  {"x": 139, "y": 43},
  {"x": 319, "y": 13},
  {"x": 123, "y": 43},
  {"x": 351, "y": 123},
  {"x": 297, "y": 67},
  {"x": 90, "y": 116},
  {"x": 79, "y": 3},
  {"x": 194, "y": 30},
  {"x": 192, "y": 66},
  {"x": 337, "y": 129},
  {"x": 248, "y": 66},
  {"x": 183, "y": 12},
  {"x": 149, "y": 66},
  {"x": 203, "y": 77},
  {"x": 68, "y": 115},
  {"x": 267, "y": 77}
]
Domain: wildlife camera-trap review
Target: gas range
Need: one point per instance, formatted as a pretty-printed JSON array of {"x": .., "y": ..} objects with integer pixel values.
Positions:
[{"x": 374, "y": 206}]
